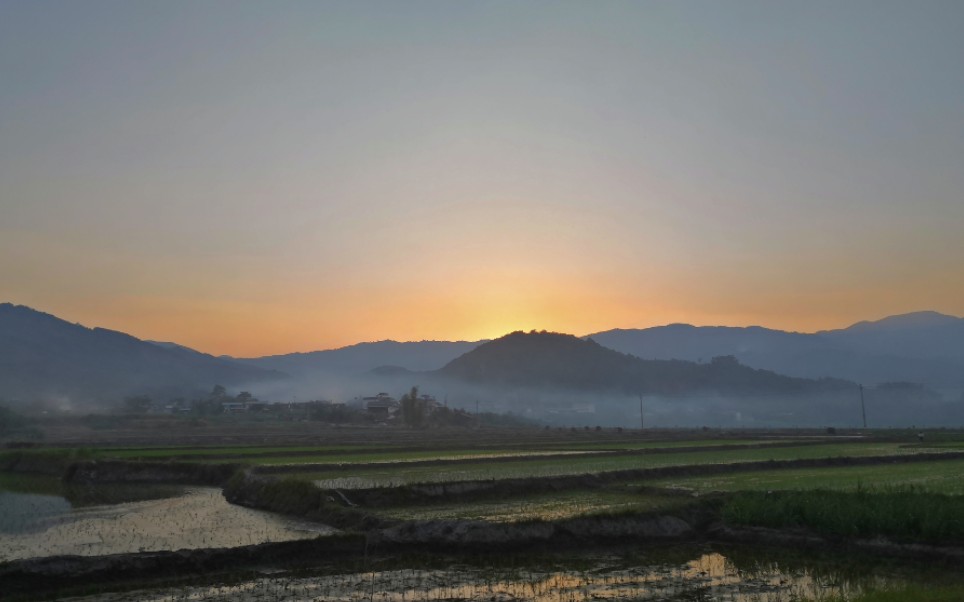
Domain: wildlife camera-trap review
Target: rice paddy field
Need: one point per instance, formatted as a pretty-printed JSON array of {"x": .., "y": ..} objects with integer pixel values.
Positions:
[
  {"x": 423, "y": 476},
  {"x": 388, "y": 474},
  {"x": 943, "y": 476},
  {"x": 340, "y": 454}
]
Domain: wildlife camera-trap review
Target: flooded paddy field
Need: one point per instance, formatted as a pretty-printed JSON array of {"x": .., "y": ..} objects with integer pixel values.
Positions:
[
  {"x": 505, "y": 489},
  {"x": 41, "y": 517},
  {"x": 684, "y": 573}
]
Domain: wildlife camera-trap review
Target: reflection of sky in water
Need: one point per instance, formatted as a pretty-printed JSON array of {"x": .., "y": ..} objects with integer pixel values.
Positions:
[
  {"x": 44, "y": 525},
  {"x": 708, "y": 577},
  {"x": 29, "y": 512}
]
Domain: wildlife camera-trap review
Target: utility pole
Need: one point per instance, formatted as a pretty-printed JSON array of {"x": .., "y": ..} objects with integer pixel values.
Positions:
[
  {"x": 642, "y": 425},
  {"x": 863, "y": 410}
]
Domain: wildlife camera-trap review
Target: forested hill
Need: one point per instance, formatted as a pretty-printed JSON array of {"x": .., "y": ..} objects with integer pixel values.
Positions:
[
  {"x": 44, "y": 359},
  {"x": 552, "y": 360}
]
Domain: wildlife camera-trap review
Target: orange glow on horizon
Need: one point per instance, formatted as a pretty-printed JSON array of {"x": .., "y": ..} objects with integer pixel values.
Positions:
[
  {"x": 243, "y": 331},
  {"x": 477, "y": 301}
]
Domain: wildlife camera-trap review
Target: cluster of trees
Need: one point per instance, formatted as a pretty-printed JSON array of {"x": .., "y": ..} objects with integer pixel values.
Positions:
[
  {"x": 339, "y": 414},
  {"x": 561, "y": 361},
  {"x": 137, "y": 404},
  {"x": 10, "y": 420},
  {"x": 211, "y": 404},
  {"x": 414, "y": 409},
  {"x": 420, "y": 412},
  {"x": 14, "y": 424}
]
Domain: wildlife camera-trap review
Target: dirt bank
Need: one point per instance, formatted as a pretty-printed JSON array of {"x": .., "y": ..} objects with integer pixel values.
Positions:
[
  {"x": 301, "y": 499},
  {"x": 31, "y": 579},
  {"x": 122, "y": 471},
  {"x": 801, "y": 538},
  {"x": 53, "y": 462}
]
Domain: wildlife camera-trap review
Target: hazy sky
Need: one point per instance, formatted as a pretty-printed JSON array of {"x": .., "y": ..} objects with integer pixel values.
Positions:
[{"x": 266, "y": 177}]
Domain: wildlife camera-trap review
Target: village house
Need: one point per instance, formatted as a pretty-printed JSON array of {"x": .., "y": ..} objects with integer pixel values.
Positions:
[{"x": 383, "y": 406}]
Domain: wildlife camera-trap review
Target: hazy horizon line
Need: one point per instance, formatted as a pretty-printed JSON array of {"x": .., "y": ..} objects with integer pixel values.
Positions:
[{"x": 483, "y": 340}]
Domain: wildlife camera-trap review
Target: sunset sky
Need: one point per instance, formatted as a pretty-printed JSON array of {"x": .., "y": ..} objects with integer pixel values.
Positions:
[{"x": 254, "y": 178}]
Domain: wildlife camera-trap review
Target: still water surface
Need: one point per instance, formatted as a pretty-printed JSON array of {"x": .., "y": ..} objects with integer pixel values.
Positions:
[
  {"x": 41, "y": 518},
  {"x": 702, "y": 576}
]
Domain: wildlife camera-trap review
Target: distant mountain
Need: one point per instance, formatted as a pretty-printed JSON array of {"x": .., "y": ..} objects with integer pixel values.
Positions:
[
  {"x": 46, "y": 359},
  {"x": 182, "y": 348},
  {"x": 924, "y": 347},
  {"x": 905, "y": 323},
  {"x": 689, "y": 375},
  {"x": 700, "y": 343},
  {"x": 364, "y": 357},
  {"x": 552, "y": 360},
  {"x": 925, "y": 335},
  {"x": 567, "y": 380}
]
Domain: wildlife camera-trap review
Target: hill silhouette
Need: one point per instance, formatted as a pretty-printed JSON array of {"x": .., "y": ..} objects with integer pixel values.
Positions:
[
  {"x": 923, "y": 347},
  {"x": 46, "y": 359},
  {"x": 362, "y": 357},
  {"x": 544, "y": 359},
  {"x": 725, "y": 375}
]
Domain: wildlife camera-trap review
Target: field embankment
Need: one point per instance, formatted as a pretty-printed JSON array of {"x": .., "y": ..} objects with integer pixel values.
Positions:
[
  {"x": 32, "y": 578},
  {"x": 124, "y": 471},
  {"x": 53, "y": 462}
]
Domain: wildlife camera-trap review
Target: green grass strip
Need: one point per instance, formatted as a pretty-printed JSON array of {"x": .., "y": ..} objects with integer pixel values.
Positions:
[
  {"x": 908, "y": 593},
  {"x": 903, "y": 515},
  {"x": 400, "y": 474},
  {"x": 939, "y": 476}
]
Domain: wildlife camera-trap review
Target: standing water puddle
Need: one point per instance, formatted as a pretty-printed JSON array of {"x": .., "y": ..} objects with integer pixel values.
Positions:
[
  {"x": 706, "y": 576},
  {"x": 94, "y": 521}
]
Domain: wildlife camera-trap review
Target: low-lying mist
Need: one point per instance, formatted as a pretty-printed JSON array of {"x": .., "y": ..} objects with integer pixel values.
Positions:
[{"x": 885, "y": 406}]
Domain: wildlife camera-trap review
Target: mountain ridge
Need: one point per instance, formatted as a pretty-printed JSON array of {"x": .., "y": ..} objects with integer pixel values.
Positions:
[
  {"x": 562, "y": 360},
  {"x": 927, "y": 318},
  {"x": 36, "y": 360},
  {"x": 43, "y": 357},
  {"x": 925, "y": 347}
]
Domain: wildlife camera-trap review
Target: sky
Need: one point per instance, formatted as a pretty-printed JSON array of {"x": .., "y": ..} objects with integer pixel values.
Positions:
[{"x": 254, "y": 178}]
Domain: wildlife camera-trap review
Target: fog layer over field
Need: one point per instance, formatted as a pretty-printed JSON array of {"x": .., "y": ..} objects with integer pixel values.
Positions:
[{"x": 893, "y": 406}]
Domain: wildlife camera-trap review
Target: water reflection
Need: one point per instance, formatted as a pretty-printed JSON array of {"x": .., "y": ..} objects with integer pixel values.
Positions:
[
  {"x": 707, "y": 576},
  {"x": 35, "y": 525},
  {"x": 29, "y": 512}
]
